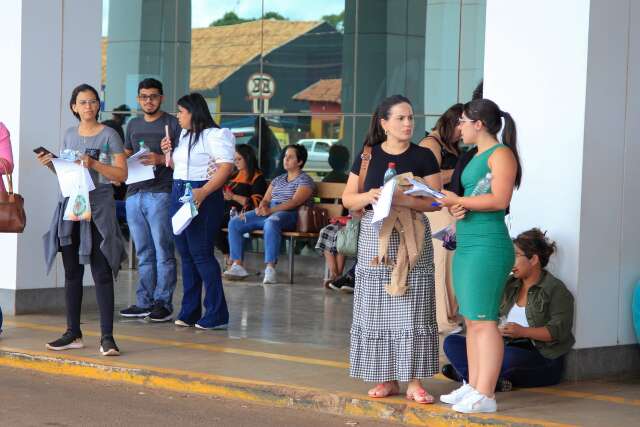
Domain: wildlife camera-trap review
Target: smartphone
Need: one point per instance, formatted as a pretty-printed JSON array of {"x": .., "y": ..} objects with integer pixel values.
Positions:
[{"x": 42, "y": 150}]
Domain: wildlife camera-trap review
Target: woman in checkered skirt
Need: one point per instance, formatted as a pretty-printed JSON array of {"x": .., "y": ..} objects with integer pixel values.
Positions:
[{"x": 393, "y": 338}]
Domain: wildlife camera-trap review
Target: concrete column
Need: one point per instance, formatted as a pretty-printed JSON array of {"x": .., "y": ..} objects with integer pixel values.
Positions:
[
  {"x": 48, "y": 48},
  {"x": 572, "y": 87},
  {"x": 148, "y": 38}
]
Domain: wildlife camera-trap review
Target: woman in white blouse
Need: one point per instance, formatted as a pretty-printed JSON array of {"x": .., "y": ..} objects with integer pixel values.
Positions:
[{"x": 202, "y": 142}]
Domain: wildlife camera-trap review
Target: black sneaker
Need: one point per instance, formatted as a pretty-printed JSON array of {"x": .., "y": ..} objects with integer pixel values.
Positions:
[
  {"x": 108, "y": 346},
  {"x": 67, "y": 341},
  {"x": 503, "y": 385},
  {"x": 450, "y": 372},
  {"x": 159, "y": 313},
  {"x": 135, "y": 311},
  {"x": 344, "y": 284}
]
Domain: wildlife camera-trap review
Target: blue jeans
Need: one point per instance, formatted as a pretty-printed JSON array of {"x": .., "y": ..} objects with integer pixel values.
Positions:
[
  {"x": 199, "y": 266},
  {"x": 524, "y": 367},
  {"x": 150, "y": 227},
  {"x": 272, "y": 225}
]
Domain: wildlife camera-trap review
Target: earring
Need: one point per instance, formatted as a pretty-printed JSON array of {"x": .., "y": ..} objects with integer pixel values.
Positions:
[{"x": 386, "y": 132}]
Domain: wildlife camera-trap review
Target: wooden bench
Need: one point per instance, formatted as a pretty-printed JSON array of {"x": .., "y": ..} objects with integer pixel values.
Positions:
[{"x": 325, "y": 190}]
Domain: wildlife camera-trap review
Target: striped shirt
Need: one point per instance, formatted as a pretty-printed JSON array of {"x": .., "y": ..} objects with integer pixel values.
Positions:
[{"x": 283, "y": 190}]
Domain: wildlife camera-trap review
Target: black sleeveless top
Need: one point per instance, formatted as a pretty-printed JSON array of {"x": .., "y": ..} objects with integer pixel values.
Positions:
[{"x": 449, "y": 160}]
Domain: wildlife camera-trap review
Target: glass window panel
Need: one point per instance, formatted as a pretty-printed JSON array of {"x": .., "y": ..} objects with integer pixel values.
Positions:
[
  {"x": 303, "y": 55},
  {"x": 471, "y": 47}
]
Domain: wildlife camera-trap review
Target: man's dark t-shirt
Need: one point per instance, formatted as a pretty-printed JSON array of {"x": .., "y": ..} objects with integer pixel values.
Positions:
[
  {"x": 152, "y": 133},
  {"x": 418, "y": 160}
]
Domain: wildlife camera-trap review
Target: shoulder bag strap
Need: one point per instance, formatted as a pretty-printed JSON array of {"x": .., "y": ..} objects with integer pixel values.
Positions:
[{"x": 364, "y": 167}]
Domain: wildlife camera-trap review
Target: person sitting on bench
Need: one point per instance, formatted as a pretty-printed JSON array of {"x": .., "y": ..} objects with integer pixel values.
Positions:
[
  {"x": 276, "y": 213},
  {"x": 536, "y": 316}
]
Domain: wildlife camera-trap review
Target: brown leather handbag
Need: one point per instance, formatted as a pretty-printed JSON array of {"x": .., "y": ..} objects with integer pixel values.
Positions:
[
  {"x": 311, "y": 219},
  {"x": 12, "y": 216}
]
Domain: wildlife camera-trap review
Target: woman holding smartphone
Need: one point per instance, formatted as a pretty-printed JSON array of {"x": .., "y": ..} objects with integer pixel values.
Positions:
[{"x": 96, "y": 242}]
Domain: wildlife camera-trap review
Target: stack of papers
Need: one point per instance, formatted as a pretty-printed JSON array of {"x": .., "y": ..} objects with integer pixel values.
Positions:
[
  {"x": 137, "y": 171},
  {"x": 69, "y": 175},
  {"x": 421, "y": 189},
  {"x": 382, "y": 207}
]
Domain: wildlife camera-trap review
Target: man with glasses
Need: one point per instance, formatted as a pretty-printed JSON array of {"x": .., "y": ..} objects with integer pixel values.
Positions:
[{"x": 148, "y": 208}]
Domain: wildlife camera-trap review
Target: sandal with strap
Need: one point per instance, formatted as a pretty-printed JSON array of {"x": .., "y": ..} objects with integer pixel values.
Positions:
[
  {"x": 384, "y": 390},
  {"x": 420, "y": 395}
]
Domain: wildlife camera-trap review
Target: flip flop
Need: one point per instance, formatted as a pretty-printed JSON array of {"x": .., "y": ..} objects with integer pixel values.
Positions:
[
  {"x": 420, "y": 395},
  {"x": 378, "y": 392}
]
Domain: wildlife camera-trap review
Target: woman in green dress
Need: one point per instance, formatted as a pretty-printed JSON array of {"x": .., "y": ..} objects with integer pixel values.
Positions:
[{"x": 484, "y": 255}]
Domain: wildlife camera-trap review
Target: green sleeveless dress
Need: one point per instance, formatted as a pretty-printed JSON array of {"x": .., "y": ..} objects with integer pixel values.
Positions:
[{"x": 484, "y": 253}]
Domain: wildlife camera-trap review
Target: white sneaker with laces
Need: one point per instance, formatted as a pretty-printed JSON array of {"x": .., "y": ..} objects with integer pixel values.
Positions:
[
  {"x": 457, "y": 395},
  {"x": 269, "y": 276},
  {"x": 236, "y": 272},
  {"x": 474, "y": 403}
]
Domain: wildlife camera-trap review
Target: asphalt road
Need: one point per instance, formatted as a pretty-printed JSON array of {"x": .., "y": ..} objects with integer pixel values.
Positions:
[{"x": 33, "y": 399}]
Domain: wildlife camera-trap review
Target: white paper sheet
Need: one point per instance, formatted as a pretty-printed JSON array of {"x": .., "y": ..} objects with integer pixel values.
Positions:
[
  {"x": 68, "y": 175},
  {"x": 137, "y": 171},
  {"x": 421, "y": 189},
  {"x": 183, "y": 218},
  {"x": 382, "y": 207}
]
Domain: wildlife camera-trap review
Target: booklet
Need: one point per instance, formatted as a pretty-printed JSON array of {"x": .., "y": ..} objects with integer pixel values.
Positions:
[
  {"x": 382, "y": 207},
  {"x": 183, "y": 217},
  {"x": 137, "y": 171},
  {"x": 69, "y": 173}
]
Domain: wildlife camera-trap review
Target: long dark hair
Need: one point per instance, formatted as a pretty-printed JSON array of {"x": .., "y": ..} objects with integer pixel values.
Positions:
[
  {"x": 535, "y": 242},
  {"x": 74, "y": 96},
  {"x": 490, "y": 115},
  {"x": 376, "y": 134},
  {"x": 249, "y": 155},
  {"x": 200, "y": 116},
  {"x": 446, "y": 127}
]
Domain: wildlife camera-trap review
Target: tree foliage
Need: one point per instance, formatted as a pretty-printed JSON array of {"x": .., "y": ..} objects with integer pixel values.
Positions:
[
  {"x": 231, "y": 18},
  {"x": 336, "y": 21}
]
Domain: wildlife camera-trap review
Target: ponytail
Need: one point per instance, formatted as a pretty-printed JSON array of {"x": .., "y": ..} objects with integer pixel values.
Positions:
[
  {"x": 490, "y": 115},
  {"x": 509, "y": 138}
]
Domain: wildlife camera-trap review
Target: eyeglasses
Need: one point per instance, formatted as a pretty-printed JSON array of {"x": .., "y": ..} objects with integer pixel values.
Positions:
[
  {"x": 153, "y": 97},
  {"x": 90, "y": 102},
  {"x": 463, "y": 120}
]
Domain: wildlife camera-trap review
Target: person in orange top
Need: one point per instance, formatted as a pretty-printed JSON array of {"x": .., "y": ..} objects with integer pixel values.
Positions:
[{"x": 244, "y": 191}]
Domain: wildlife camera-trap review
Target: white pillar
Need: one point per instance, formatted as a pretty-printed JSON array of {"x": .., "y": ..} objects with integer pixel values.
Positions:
[
  {"x": 48, "y": 47},
  {"x": 568, "y": 73}
]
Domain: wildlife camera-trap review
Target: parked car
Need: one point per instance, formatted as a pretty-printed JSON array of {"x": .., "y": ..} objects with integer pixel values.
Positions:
[{"x": 318, "y": 153}]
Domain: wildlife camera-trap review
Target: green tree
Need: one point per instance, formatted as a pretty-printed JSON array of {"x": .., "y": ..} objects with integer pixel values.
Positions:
[
  {"x": 229, "y": 18},
  {"x": 336, "y": 21},
  {"x": 274, "y": 15}
]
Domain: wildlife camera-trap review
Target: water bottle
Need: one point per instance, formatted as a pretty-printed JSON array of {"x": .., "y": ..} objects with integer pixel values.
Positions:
[
  {"x": 483, "y": 186},
  {"x": 142, "y": 146},
  {"x": 233, "y": 212},
  {"x": 104, "y": 158},
  {"x": 390, "y": 173}
]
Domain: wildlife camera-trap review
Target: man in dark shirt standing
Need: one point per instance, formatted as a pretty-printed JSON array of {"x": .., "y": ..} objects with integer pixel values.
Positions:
[{"x": 148, "y": 208}]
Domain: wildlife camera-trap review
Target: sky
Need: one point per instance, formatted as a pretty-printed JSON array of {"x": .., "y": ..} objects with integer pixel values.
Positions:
[{"x": 203, "y": 12}]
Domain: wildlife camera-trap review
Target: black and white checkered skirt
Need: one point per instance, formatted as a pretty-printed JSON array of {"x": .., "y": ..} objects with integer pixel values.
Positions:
[
  {"x": 328, "y": 238},
  {"x": 393, "y": 337}
]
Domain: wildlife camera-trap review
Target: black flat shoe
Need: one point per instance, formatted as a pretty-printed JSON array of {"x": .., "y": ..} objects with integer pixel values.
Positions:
[{"x": 450, "y": 372}]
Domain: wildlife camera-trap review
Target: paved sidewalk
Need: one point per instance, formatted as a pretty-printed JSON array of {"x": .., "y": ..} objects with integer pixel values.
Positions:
[{"x": 286, "y": 346}]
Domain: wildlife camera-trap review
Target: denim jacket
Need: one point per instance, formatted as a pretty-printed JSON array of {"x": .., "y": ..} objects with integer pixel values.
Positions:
[{"x": 549, "y": 305}]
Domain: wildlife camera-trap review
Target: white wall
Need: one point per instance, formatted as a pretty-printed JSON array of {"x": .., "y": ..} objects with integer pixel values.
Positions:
[
  {"x": 10, "y": 30},
  {"x": 535, "y": 64},
  {"x": 52, "y": 47},
  {"x": 567, "y": 71}
]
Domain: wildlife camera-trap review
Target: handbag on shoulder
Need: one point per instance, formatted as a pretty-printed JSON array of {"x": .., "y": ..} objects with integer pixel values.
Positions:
[
  {"x": 12, "y": 216},
  {"x": 347, "y": 236}
]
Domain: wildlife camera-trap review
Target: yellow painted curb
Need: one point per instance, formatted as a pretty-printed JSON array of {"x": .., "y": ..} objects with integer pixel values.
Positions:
[{"x": 272, "y": 394}]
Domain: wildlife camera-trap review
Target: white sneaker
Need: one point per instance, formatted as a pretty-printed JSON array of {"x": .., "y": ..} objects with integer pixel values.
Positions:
[
  {"x": 236, "y": 272},
  {"x": 457, "y": 395},
  {"x": 269, "y": 276},
  {"x": 474, "y": 403}
]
